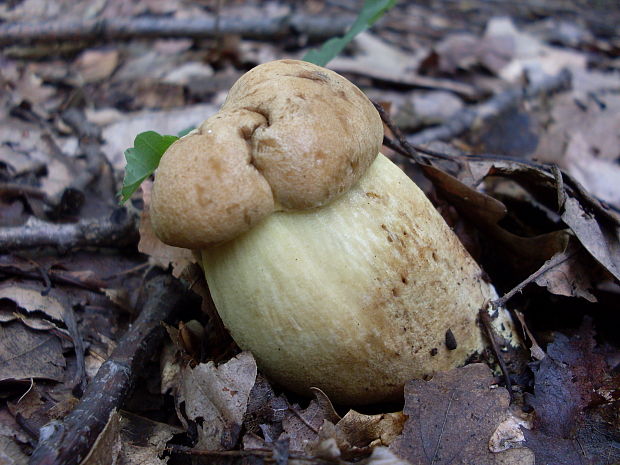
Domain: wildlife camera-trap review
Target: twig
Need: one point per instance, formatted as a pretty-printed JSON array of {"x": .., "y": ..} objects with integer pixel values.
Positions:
[
  {"x": 488, "y": 328},
  {"x": 260, "y": 28},
  {"x": 55, "y": 276},
  {"x": 554, "y": 261},
  {"x": 303, "y": 420},
  {"x": 409, "y": 151},
  {"x": 263, "y": 452},
  {"x": 475, "y": 115},
  {"x": 15, "y": 189},
  {"x": 118, "y": 230},
  {"x": 69, "y": 441}
]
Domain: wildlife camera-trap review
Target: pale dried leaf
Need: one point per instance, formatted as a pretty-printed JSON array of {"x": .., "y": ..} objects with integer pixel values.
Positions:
[
  {"x": 31, "y": 300},
  {"x": 530, "y": 54},
  {"x": 378, "y": 59},
  {"x": 107, "y": 447},
  {"x": 96, "y": 65},
  {"x": 120, "y": 135},
  {"x": 218, "y": 396},
  {"x": 384, "y": 456},
  {"x": 508, "y": 434},
  {"x": 600, "y": 176},
  {"x": 144, "y": 440},
  {"x": 362, "y": 430},
  {"x": 11, "y": 453},
  {"x": 569, "y": 274}
]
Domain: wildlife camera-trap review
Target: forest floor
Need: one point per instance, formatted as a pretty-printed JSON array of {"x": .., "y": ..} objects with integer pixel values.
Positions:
[{"x": 507, "y": 114}]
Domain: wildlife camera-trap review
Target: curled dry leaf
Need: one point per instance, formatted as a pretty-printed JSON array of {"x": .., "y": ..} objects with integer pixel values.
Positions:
[
  {"x": 371, "y": 430},
  {"x": 31, "y": 300},
  {"x": 486, "y": 213},
  {"x": 567, "y": 273},
  {"x": 216, "y": 398}
]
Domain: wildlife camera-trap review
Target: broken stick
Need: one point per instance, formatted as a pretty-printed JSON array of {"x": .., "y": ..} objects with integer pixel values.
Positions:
[{"x": 68, "y": 442}]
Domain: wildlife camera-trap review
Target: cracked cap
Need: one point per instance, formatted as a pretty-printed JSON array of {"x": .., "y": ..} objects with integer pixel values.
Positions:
[{"x": 290, "y": 136}]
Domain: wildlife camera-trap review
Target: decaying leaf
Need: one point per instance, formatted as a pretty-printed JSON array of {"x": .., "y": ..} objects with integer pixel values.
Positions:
[
  {"x": 11, "y": 453},
  {"x": 302, "y": 427},
  {"x": 599, "y": 235},
  {"x": 216, "y": 398},
  {"x": 567, "y": 274},
  {"x": 452, "y": 417},
  {"x": 25, "y": 354},
  {"x": 384, "y": 456},
  {"x": 264, "y": 415},
  {"x": 107, "y": 447},
  {"x": 363, "y": 430},
  {"x": 31, "y": 300},
  {"x": 565, "y": 385},
  {"x": 486, "y": 212},
  {"x": 143, "y": 440}
]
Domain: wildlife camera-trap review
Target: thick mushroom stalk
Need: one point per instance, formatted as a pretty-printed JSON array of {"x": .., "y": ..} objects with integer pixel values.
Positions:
[{"x": 344, "y": 277}]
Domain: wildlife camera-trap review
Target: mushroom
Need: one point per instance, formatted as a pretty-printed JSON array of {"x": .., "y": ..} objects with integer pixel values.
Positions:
[{"x": 323, "y": 258}]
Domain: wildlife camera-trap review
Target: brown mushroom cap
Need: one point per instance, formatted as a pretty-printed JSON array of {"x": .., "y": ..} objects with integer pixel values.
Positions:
[{"x": 291, "y": 135}]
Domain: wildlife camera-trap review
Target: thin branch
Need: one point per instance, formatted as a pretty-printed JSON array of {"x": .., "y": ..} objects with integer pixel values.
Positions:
[
  {"x": 553, "y": 262},
  {"x": 259, "y": 28},
  {"x": 69, "y": 441},
  {"x": 265, "y": 453},
  {"x": 488, "y": 328},
  {"x": 118, "y": 230},
  {"x": 476, "y": 115},
  {"x": 12, "y": 189}
]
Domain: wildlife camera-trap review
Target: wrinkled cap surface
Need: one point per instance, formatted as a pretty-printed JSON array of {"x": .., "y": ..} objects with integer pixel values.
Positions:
[{"x": 290, "y": 136}]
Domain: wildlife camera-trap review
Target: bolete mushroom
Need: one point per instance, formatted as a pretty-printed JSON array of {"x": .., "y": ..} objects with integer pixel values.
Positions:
[{"x": 323, "y": 258}]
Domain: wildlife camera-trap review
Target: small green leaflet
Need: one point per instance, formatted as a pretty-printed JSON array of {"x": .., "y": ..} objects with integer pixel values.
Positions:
[
  {"x": 371, "y": 12},
  {"x": 142, "y": 159}
]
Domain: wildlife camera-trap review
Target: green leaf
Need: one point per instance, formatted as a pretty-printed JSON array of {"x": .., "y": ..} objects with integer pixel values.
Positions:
[
  {"x": 371, "y": 12},
  {"x": 142, "y": 159}
]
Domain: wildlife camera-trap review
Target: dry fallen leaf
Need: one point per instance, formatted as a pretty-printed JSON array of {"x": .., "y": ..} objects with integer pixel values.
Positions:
[
  {"x": 30, "y": 299},
  {"x": 25, "y": 354},
  {"x": 11, "y": 453},
  {"x": 96, "y": 65},
  {"x": 301, "y": 427},
  {"x": 107, "y": 447},
  {"x": 216, "y": 398},
  {"x": 600, "y": 176},
  {"x": 569, "y": 274},
  {"x": 143, "y": 440},
  {"x": 565, "y": 384},
  {"x": 452, "y": 417}
]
